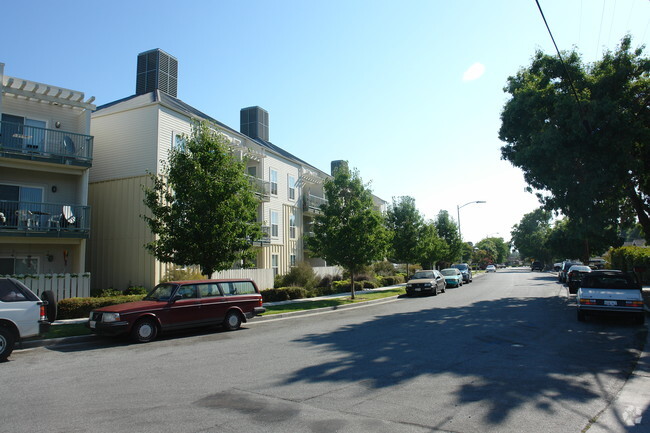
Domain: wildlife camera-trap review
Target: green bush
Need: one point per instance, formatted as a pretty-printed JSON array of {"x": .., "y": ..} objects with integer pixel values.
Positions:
[
  {"x": 628, "y": 258},
  {"x": 324, "y": 291},
  {"x": 392, "y": 280},
  {"x": 384, "y": 268},
  {"x": 301, "y": 275},
  {"x": 74, "y": 308},
  {"x": 284, "y": 294},
  {"x": 106, "y": 293},
  {"x": 136, "y": 290}
]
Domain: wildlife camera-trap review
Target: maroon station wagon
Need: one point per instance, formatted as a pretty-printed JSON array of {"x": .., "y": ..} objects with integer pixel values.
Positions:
[{"x": 179, "y": 305}]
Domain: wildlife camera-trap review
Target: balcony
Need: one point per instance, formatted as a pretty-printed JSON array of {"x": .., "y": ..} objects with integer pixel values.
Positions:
[
  {"x": 45, "y": 145},
  {"x": 266, "y": 237},
  {"x": 311, "y": 204},
  {"x": 21, "y": 218},
  {"x": 261, "y": 187}
]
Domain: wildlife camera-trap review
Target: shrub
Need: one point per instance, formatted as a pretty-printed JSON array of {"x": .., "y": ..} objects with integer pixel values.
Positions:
[
  {"x": 284, "y": 294},
  {"x": 136, "y": 290},
  {"x": 180, "y": 274},
  {"x": 301, "y": 275},
  {"x": 106, "y": 293},
  {"x": 73, "y": 308},
  {"x": 391, "y": 281},
  {"x": 628, "y": 258},
  {"x": 324, "y": 291},
  {"x": 384, "y": 268}
]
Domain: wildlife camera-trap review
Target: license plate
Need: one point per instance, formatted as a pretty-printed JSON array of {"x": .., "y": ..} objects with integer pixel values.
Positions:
[
  {"x": 418, "y": 289},
  {"x": 91, "y": 323},
  {"x": 611, "y": 303}
]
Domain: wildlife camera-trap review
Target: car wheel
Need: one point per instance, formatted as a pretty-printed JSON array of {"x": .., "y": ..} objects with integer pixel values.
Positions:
[
  {"x": 581, "y": 316},
  {"x": 640, "y": 318},
  {"x": 51, "y": 308},
  {"x": 7, "y": 341},
  {"x": 144, "y": 331},
  {"x": 232, "y": 322}
]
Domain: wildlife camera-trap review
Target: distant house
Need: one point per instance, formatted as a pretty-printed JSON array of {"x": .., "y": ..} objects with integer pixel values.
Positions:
[
  {"x": 133, "y": 135},
  {"x": 46, "y": 151}
]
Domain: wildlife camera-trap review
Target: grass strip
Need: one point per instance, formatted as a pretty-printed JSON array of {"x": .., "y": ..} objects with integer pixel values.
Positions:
[
  {"x": 69, "y": 330},
  {"x": 333, "y": 302}
]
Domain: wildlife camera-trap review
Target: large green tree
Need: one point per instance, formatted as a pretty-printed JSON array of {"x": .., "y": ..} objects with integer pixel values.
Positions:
[
  {"x": 581, "y": 134},
  {"x": 431, "y": 247},
  {"x": 203, "y": 209},
  {"x": 448, "y": 231},
  {"x": 406, "y": 225},
  {"x": 349, "y": 232},
  {"x": 530, "y": 236},
  {"x": 496, "y": 247}
]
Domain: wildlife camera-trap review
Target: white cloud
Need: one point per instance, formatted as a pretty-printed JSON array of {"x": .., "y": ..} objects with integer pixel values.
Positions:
[{"x": 474, "y": 72}]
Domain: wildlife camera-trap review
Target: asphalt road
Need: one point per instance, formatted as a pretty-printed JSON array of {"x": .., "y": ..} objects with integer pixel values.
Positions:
[{"x": 502, "y": 354}]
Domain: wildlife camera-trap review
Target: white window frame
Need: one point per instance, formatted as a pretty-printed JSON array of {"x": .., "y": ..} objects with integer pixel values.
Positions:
[
  {"x": 178, "y": 140},
  {"x": 273, "y": 179},
  {"x": 275, "y": 224},
  {"x": 275, "y": 264},
  {"x": 292, "y": 260},
  {"x": 292, "y": 224},
  {"x": 292, "y": 187}
]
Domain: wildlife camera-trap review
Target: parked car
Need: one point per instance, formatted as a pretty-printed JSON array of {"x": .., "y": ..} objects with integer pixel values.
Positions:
[
  {"x": 537, "y": 266},
  {"x": 426, "y": 281},
  {"x": 561, "y": 276},
  {"x": 22, "y": 314},
  {"x": 574, "y": 276},
  {"x": 490, "y": 268},
  {"x": 453, "y": 277},
  {"x": 465, "y": 270},
  {"x": 178, "y": 305},
  {"x": 611, "y": 292}
]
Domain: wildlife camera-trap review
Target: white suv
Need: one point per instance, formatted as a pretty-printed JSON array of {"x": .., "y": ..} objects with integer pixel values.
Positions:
[{"x": 22, "y": 314}]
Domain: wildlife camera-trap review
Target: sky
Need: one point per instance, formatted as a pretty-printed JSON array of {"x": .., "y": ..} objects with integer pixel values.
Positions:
[{"x": 409, "y": 92}]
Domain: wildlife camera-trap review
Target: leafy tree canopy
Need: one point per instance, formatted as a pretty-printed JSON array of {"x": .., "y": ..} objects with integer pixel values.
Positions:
[
  {"x": 590, "y": 156},
  {"x": 406, "y": 225},
  {"x": 431, "y": 247},
  {"x": 530, "y": 235},
  {"x": 349, "y": 232},
  {"x": 448, "y": 231},
  {"x": 203, "y": 208}
]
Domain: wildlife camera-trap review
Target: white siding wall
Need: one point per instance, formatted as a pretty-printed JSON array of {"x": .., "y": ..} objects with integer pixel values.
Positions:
[
  {"x": 170, "y": 124},
  {"x": 125, "y": 143},
  {"x": 117, "y": 257},
  {"x": 72, "y": 120}
]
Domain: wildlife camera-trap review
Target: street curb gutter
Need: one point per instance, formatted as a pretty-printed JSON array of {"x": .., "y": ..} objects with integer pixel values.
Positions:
[{"x": 65, "y": 341}]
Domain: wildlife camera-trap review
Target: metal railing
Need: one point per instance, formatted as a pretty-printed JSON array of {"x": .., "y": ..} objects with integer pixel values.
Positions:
[
  {"x": 261, "y": 187},
  {"x": 50, "y": 218},
  {"x": 60, "y": 146},
  {"x": 312, "y": 203}
]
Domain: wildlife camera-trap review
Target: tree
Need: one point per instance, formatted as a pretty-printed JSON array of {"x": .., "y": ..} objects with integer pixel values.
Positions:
[
  {"x": 203, "y": 208},
  {"x": 448, "y": 231},
  {"x": 349, "y": 232},
  {"x": 431, "y": 247},
  {"x": 529, "y": 237},
  {"x": 406, "y": 225},
  {"x": 581, "y": 134},
  {"x": 496, "y": 248}
]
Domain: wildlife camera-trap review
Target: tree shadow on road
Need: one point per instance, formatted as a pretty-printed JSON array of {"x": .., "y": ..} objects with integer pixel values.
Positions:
[{"x": 508, "y": 349}]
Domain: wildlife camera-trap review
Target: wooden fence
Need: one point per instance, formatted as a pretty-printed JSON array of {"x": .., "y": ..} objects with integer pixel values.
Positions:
[{"x": 63, "y": 285}]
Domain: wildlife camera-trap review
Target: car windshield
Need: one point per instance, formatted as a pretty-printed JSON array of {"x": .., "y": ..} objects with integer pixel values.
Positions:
[
  {"x": 620, "y": 281},
  {"x": 423, "y": 275},
  {"x": 449, "y": 272},
  {"x": 162, "y": 292},
  {"x": 461, "y": 267},
  {"x": 580, "y": 268}
]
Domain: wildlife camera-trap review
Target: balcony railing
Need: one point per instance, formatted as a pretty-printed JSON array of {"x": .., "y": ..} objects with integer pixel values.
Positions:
[
  {"x": 266, "y": 237},
  {"x": 51, "y": 145},
  {"x": 18, "y": 218},
  {"x": 261, "y": 187},
  {"x": 312, "y": 203}
]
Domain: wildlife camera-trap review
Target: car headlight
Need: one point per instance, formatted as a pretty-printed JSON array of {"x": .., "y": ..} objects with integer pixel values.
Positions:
[
  {"x": 427, "y": 285},
  {"x": 409, "y": 285},
  {"x": 110, "y": 317}
]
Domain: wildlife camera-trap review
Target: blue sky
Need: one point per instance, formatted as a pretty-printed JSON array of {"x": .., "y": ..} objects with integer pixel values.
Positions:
[{"x": 409, "y": 92}]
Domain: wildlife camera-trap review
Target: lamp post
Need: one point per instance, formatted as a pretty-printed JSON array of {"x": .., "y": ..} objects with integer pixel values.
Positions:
[{"x": 458, "y": 208}]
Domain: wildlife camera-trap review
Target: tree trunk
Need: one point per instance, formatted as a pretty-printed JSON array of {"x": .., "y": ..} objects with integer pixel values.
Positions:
[{"x": 351, "y": 284}]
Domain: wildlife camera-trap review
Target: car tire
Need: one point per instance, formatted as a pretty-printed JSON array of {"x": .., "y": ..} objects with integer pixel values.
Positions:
[
  {"x": 232, "y": 322},
  {"x": 581, "y": 316},
  {"x": 51, "y": 307},
  {"x": 144, "y": 330},
  {"x": 640, "y": 319},
  {"x": 7, "y": 342}
]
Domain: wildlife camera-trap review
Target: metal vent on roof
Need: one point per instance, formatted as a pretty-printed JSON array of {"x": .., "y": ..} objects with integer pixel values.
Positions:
[{"x": 156, "y": 70}]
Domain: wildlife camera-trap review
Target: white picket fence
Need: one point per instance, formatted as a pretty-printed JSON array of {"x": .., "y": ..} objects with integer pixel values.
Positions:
[{"x": 63, "y": 285}]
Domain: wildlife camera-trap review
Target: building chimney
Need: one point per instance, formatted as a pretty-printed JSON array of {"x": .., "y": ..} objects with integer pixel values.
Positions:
[
  {"x": 254, "y": 122},
  {"x": 156, "y": 70},
  {"x": 335, "y": 165}
]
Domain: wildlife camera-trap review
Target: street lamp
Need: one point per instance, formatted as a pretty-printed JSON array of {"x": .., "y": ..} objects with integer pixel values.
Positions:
[{"x": 458, "y": 208}]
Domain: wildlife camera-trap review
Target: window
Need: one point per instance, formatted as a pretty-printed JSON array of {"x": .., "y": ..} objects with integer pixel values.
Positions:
[
  {"x": 292, "y": 224},
  {"x": 187, "y": 292},
  {"x": 252, "y": 171},
  {"x": 178, "y": 141},
  {"x": 292, "y": 260},
  {"x": 292, "y": 188},
  {"x": 209, "y": 290},
  {"x": 275, "y": 259},
  {"x": 18, "y": 265},
  {"x": 23, "y": 132},
  {"x": 274, "y": 182},
  {"x": 274, "y": 224},
  {"x": 237, "y": 288}
]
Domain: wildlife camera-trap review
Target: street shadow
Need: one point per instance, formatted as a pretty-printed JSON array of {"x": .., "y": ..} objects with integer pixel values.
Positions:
[{"x": 495, "y": 343}]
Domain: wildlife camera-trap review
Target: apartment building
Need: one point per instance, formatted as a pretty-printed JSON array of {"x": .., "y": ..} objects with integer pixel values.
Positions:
[
  {"x": 135, "y": 134},
  {"x": 46, "y": 151}
]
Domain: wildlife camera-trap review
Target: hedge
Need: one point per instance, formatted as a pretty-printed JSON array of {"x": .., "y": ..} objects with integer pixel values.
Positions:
[
  {"x": 628, "y": 258},
  {"x": 74, "y": 308}
]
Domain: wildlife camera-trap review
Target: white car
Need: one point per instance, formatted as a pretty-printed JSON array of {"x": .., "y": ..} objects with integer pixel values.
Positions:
[
  {"x": 22, "y": 314},
  {"x": 490, "y": 268},
  {"x": 611, "y": 292}
]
